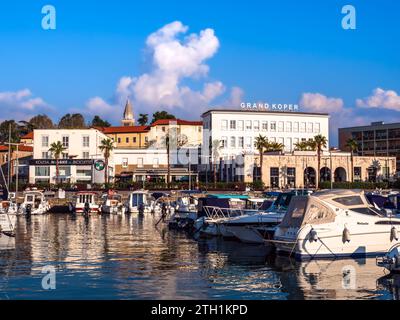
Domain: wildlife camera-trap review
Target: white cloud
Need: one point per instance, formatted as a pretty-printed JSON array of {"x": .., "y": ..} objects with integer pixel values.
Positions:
[
  {"x": 381, "y": 99},
  {"x": 176, "y": 60},
  {"x": 22, "y": 104},
  {"x": 316, "y": 102}
]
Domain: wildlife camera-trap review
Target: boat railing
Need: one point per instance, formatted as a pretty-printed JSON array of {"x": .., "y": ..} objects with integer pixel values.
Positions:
[{"x": 219, "y": 213}]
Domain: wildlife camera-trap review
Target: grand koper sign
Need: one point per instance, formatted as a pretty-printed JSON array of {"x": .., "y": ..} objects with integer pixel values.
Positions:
[
  {"x": 248, "y": 106},
  {"x": 62, "y": 162}
]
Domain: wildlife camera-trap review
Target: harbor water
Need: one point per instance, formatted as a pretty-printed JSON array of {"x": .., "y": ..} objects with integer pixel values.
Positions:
[{"x": 126, "y": 257}]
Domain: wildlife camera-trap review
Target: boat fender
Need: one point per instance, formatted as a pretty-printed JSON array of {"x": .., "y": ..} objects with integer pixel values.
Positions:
[
  {"x": 393, "y": 234},
  {"x": 346, "y": 235},
  {"x": 313, "y": 236}
]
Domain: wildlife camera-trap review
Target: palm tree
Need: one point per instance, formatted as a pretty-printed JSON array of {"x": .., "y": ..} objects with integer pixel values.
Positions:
[
  {"x": 143, "y": 119},
  {"x": 320, "y": 142},
  {"x": 57, "y": 148},
  {"x": 352, "y": 144},
  {"x": 106, "y": 146},
  {"x": 261, "y": 144},
  {"x": 180, "y": 141},
  {"x": 216, "y": 146},
  {"x": 274, "y": 146}
]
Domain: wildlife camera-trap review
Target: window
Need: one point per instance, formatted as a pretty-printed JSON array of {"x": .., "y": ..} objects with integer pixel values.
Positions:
[
  {"x": 45, "y": 141},
  {"x": 295, "y": 141},
  {"x": 288, "y": 127},
  {"x": 291, "y": 177},
  {"x": 302, "y": 127},
  {"x": 310, "y": 127},
  {"x": 248, "y": 125},
  {"x": 349, "y": 201},
  {"x": 281, "y": 126},
  {"x": 42, "y": 171},
  {"x": 126, "y": 140},
  {"x": 45, "y": 155},
  {"x": 264, "y": 126},
  {"x": 233, "y": 142},
  {"x": 65, "y": 171},
  {"x": 241, "y": 142},
  {"x": 86, "y": 141},
  {"x": 357, "y": 174},
  {"x": 134, "y": 139},
  {"x": 85, "y": 155},
  {"x": 224, "y": 125},
  {"x": 273, "y": 126},
  {"x": 119, "y": 140},
  {"x": 317, "y": 128},
  {"x": 140, "y": 162},
  {"x": 281, "y": 141},
  {"x": 84, "y": 173},
  {"x": 256, "y": 125},
  {"x": 240, "y": 125},
  {"x": 274, "y": 174},
  {"x": 224, "y": 142},
  {"x": 163, "y": 129},
  {"x": 156, "y": 163},
  {"x": 232, "y": 124},
  {"x": 124, "y": 162},
  {"x": 248, "y": 142},
  {"x": 296, "y": 127},
  {"x": 65, "y": 155},
  {"x": 65, "y": 141},
  {"x": 288, "y": 146}
]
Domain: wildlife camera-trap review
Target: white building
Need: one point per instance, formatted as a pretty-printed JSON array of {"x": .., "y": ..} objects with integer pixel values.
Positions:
[
  {"x": 237, "y": 129},
  {"x": 80, "y": 162}
]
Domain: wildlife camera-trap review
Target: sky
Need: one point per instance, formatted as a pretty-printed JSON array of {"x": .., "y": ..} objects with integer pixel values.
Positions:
[{"x": 186, "y": 57}]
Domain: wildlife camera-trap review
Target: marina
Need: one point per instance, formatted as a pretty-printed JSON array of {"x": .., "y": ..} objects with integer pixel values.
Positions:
[{"x": 103, "y": 256}]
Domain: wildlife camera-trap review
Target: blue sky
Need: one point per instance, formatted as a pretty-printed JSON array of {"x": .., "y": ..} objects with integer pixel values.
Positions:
[{"x": 272, "y": 51}]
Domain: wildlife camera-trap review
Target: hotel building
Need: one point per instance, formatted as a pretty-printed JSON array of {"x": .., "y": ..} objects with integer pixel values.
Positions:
[
  {"x": 78, "y": 161},
  {"x": 237, "y": 129},
  {"x": 375, "y": 140}
]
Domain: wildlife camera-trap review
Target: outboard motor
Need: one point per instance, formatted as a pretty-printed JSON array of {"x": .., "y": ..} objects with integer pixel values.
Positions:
[
  {"x": 86, "y": 209},
  {"x": 28, "y": 210}
]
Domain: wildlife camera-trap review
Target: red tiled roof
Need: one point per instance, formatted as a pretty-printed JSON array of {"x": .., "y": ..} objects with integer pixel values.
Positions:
[
  {"x": 180, "y": 122},
  {"x": 28, "y": 136},
  {"x": 127, "y": 129},
  {"x": 21, "y": 148}
]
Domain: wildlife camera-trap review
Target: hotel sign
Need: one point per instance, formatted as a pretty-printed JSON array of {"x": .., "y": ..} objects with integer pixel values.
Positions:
[
  {"x": 61, "y": 162},
  {"x": 284, "y": 107}
]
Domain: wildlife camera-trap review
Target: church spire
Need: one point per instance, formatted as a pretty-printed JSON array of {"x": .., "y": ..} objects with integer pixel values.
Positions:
[{"x": 128, "y": 118}]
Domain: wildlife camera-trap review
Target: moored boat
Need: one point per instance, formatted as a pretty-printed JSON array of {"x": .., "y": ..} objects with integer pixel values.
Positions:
[
  {"x": 84, "y": 200},
  {"x": 35, "y": 203},
  {"x": 335, "y": 223}
]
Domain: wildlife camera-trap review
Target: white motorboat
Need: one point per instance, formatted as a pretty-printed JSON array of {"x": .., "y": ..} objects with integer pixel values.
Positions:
[
  {"x": 7, "y": 224},
  {"x": 137, "y": 198},
  {"x": 83, "y": 199},
  {"x": 9, "y": 207},
  {"x": 391, "y": 260},
  {"x": 112, "y": 204},
  {"x": 335, "y": 223},
  {"x": 35, "y": 203},
  {"x": 186, "y": 207}
]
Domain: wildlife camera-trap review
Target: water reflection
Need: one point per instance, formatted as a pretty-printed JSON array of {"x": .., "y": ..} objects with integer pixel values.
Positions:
[{"x": 126, "y": 257}]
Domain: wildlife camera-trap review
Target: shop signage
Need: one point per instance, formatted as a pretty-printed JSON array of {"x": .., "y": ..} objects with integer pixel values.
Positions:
[{"x": 61, "y": 162}]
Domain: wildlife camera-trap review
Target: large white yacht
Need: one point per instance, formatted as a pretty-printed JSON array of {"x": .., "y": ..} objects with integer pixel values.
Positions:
[{"x": 338, "y": 223}]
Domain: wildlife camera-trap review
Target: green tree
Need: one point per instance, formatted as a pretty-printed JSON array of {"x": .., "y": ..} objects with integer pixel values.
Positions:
[
  {"x": 41, "y": 121},
  {"x": 352, "y": 145},
  {"x": 99, "y": 122},
  {"x": 143, "y": 119},
  {"x": 72, "y": 121},
  {"x": 320, "y": 143},
  {"x": 274, "y": 147},
  {"x": 57, "y": 148},
  {"x": 261, "y": 143},
  {"x": 106, "y": 146},
  {"x": 161, "y": 115},
  {"x": 5, "y": 127}
]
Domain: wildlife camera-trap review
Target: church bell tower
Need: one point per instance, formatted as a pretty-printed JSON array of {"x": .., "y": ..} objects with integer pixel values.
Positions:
[{"x": 128, "y": 119}]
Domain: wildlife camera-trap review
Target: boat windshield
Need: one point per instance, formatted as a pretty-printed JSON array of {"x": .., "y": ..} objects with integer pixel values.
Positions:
[{"x": 137, "y": 199}]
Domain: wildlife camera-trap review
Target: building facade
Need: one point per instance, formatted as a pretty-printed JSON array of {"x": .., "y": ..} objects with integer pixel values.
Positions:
[
  {"x": 298, "y": 169},
  {"x": 375, "y": 140},
  {"x": 20, "y": 156},
  {"x": 236, "y": 130},
  {"x": 80, "y": 162}
]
